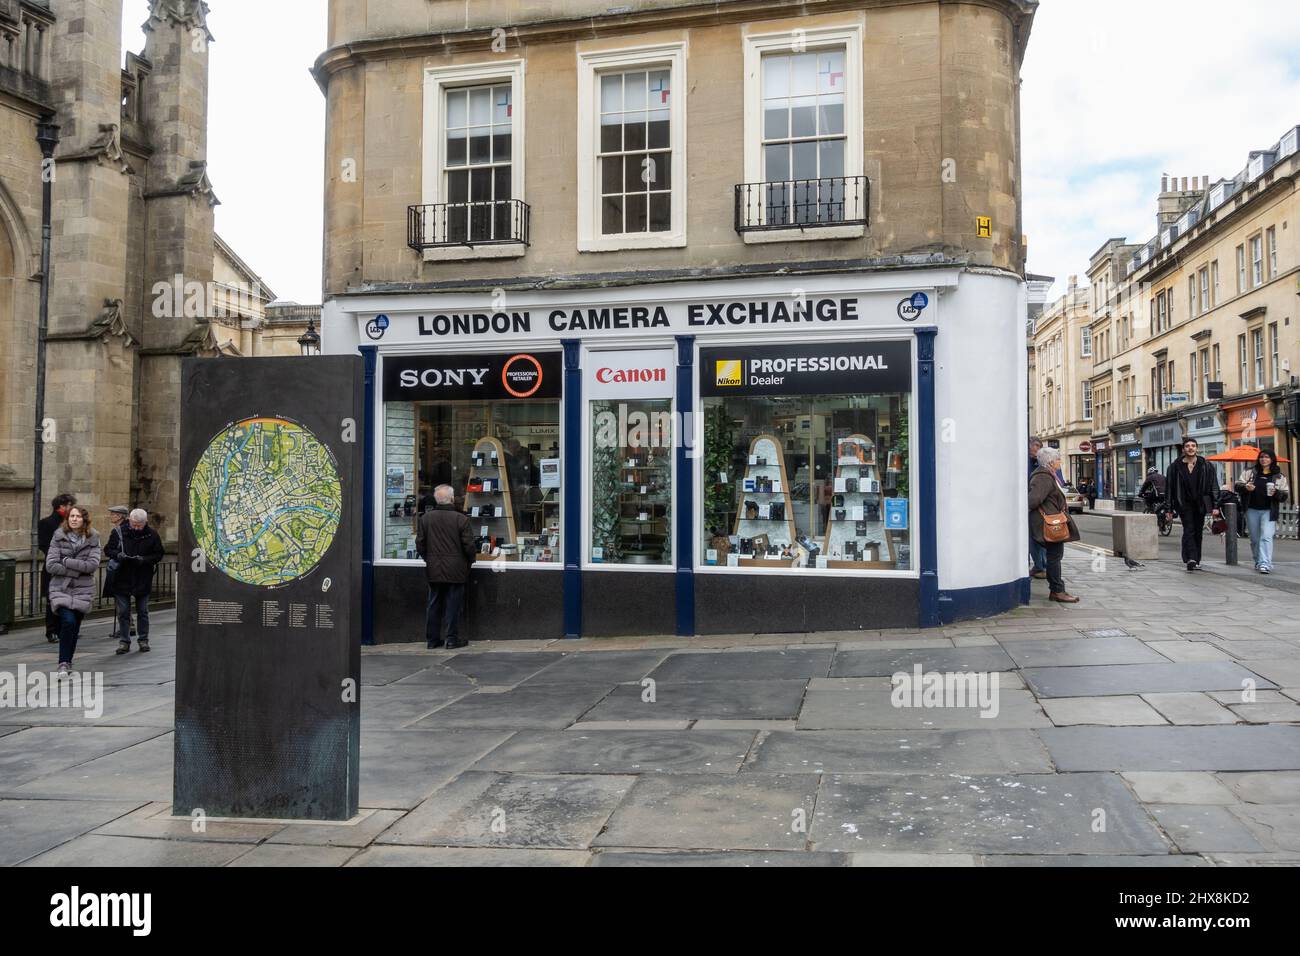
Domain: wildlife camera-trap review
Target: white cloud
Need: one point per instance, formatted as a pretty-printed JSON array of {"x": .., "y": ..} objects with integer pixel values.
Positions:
[{"x": 1116, "y": 93}]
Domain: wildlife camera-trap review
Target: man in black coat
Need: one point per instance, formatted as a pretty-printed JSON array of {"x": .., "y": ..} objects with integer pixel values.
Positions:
[
  {"x": 1192, "y": 488},
  {"x": 45, "y": 529},
  {"x": 137, "y": 549},
  {"x": 445, "y": 541}
]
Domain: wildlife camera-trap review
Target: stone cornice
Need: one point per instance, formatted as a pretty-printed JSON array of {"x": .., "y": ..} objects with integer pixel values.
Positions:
[
  {"x": 345, "y": 55},
  {"x": 194, "y": 183},
  {"x": 109, "y": 323},
  {"x": 106, "y": 149}
]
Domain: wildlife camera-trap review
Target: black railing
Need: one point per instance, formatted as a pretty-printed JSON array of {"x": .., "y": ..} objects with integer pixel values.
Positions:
[
  {"x": 164, "y": 589},
  {"x": 493, "y": 223},
  {"x": 802, "y": 203}
]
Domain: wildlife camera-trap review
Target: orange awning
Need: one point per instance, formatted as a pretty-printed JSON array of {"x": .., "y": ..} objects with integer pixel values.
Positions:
[{"x": 1240, "y": 453}]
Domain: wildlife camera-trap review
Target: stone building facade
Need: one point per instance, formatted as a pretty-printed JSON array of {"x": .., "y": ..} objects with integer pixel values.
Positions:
[
  {"x": 524, "y": 181},
  {"x": 132, "y": 252},
  {"x": 1061, "y": 387},
  {"x": 1194, "y": 332}
]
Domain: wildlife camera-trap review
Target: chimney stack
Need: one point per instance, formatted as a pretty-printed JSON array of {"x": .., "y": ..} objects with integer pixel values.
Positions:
[
  {"x": 1164, "y": 183},
  {"x": 1184, "y": 189}
]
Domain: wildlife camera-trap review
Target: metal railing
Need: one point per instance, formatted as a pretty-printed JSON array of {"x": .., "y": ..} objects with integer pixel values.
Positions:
[
  {"x": 1288, "y": 522},
  {"x": 802, "y": 203},
  {"x": 492, "y": 223},
  {"x": 30, "y": 606}
]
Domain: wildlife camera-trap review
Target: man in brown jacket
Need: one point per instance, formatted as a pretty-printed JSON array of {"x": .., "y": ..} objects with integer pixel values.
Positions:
[{"x": 446, "y": 544}]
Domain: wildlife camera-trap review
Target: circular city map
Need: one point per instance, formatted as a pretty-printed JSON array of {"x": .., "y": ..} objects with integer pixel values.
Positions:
[{"x": 265, "y": 501}]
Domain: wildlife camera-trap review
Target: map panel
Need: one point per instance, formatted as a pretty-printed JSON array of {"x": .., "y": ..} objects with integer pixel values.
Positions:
[{"x": 265, "y": 501}]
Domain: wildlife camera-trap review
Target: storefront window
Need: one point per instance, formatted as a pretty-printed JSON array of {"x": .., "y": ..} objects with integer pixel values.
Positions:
[
  {"x": 631, "y": 482},
  {"x": 500, "y": 455},
  {"x": 807, "y": 457}
]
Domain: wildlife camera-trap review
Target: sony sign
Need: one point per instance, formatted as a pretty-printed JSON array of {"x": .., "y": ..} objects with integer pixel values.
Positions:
[{"x": 436, "y": 377}]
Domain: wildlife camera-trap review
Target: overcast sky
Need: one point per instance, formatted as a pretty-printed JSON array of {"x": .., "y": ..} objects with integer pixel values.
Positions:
[{"x": 1115, "y": 93}]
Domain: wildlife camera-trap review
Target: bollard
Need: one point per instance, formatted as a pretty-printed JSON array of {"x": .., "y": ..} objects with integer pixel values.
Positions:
[{"x": 1230, "y": 536}]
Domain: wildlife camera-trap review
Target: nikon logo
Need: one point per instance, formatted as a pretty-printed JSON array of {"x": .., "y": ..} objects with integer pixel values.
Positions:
[{"x": 729, "y": 372}]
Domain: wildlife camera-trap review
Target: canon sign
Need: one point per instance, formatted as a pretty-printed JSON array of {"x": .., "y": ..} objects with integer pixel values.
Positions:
[
  {"x": 441, "y": 377},
  {"x": 611, "y": 376}
]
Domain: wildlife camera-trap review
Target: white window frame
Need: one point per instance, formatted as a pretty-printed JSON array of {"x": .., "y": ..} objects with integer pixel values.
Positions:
[
  {"x": 1256, "y": 261},
  {"x": 1270, "y": 235},
  {"x": 1085, "y": 345},
  {"x": 437, "y": 80},
  {"x": 1087, "y": 401},
  {"x": 849, "y": 36},
  {"x": 591, "y": 63}
]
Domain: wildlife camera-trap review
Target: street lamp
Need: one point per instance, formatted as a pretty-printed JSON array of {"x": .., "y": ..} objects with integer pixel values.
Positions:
[{"x": 309, "y": 341}]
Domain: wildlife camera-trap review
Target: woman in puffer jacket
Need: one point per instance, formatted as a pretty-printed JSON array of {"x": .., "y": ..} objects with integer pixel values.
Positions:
[{"x": 72, "y": 561}]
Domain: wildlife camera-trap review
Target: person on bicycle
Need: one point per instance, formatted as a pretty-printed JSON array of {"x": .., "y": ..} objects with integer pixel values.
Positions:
[{"x": 1153, "y": 489}]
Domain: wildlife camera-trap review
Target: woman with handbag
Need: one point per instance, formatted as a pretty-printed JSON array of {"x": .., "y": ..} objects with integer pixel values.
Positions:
[
  {"x": 1050, "y": 523},
  {"x": 1262, "y": 490},
  {"x": 72, "y": 561}
]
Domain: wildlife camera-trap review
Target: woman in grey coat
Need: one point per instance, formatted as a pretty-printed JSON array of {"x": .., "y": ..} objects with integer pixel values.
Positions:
[{"x": 72, "y": 561}]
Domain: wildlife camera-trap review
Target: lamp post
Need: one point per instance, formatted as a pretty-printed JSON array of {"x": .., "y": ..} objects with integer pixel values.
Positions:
[
  {"x": 309, "y": 341},
  {"x": 47, "y": 135}
]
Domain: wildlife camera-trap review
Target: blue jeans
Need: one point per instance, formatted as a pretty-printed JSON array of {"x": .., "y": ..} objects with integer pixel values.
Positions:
[
  {"x": 69, "y": 631},
  {"x": 444, "y": 600},
  {"x": 1262, "y": 527},
  {"x": 123, "y": 602},
  {"x": 1037, "y": 555}
]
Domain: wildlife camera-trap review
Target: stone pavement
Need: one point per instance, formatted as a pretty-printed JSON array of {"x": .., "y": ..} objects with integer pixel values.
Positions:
[{"x": 1121, "y": 736}]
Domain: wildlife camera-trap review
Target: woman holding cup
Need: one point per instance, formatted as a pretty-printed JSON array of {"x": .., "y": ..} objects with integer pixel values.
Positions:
[{"x": 1263, "y": 489}]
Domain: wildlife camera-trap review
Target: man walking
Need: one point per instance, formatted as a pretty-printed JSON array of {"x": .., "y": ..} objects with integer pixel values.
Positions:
[
  {"x": 1192, "y": 487},
  {"x": 445, "y": 541},
  {"x": 45, "y": 529},
  {"x": 1037, "y": 552},
  {"x": 117, "y": 519},
  {"x": 137, "y": 549}
]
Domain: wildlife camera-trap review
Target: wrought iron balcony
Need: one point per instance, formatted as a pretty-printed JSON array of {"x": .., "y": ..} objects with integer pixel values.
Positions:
[
  {"x": 491, "y": 223},
  {"x": 802, "y": 203}
]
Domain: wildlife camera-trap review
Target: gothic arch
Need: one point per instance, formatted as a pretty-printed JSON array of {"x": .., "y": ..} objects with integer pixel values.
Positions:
[{"x": 13, "y": 228}]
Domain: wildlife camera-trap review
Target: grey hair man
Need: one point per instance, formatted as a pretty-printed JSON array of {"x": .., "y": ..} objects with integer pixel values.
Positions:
[
  {"x": 1037, "y": 556},
  {"x": 135, "y": 549},
  {"x": 445, "y": 542},
  {"x": 1047, "y": 498}
]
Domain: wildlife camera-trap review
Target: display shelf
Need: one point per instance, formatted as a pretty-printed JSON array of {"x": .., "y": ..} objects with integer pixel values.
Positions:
[
  {"x": 643, "y": 505},
  {"x": 487, "y": 463},
  {"x": 779, "y": 531},
  {"x": 856, "y": 465}
]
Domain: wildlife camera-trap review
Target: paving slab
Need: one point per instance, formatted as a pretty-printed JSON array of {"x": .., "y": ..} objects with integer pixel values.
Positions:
[
  {"x": 1228, "y": 698},
  {"x": 912, "y": 859},
  {"x": 1119, "y": 679},
  {"x": 1101, "y": 711},
  {"x": 740, "y": 858},
  {"x": 986, "y": 814},
  {"x": 399, "y": 768},
  {"x": 41, "y": 751},
  {"x": 1181, "y": 652},
  {"x": 95, "y": 850},
  {"x": 352, "y": 834},
  {"x": 590, "y": 725},
  {"x": 1198, "y": 829},
  {"x": 380, "y": 669},
  {"x": 162, "y": 716},
  {"x": 1276, "y": 826},
  {"x": 754, "y": 811},
  {"x": 1194, "y": 787},
  {"x": 766, "y": 725},
  {"x": 526, "y": 707},
  {"x": 141, "y": 773},
  {"x": 603, "y": 667},
  {"x": 1283, "y": 673},
  {"x": 791, "y": 664},
  {"x": 466, "y": 857},
  {"x": 501, "y": 667},
  {"x": 876, "y": 662},
  {"x": 717, "y": 700},
  {"x": 1082, "y": 651},
  {"x": 1100, "y": 860},
  {"x": 1190, "y": 708},
  {"x": 117, "y": 702},
  {"x": 1238, "y": 747},
  {"x": 926, "y": 751},
  {"x": 1261, "y": 650},
  {"x": 536, "y": 811},
  {"x": 436, "y": 676},
  {"x": 28, "y": 828},
  {"x": 1276, "y": 713},
  {"x": 869, "y": 708},
  {"x": 283, "y": 855},
  {"x": 1270, "y": 786},
  {"x": 393, "y": 706},
  {"x": 620, "y": 752},
  {"x": 155, "y": 821}
]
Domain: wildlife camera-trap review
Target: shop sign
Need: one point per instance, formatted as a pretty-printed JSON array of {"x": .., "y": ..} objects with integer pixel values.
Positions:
[
  {"x": 1101, "y": 445},
  {"x": 1177, "y": 398},
  {"x": 832, "y": 368},
  {"x": 634, "y": 373},
  {"x": 1127, "y": 438},
  {"x": 452, "y": 377},
  {"x": 1085, "y": 446},
  {"x": 1134, "y": 453},
  {"x": 1154, "y": 436}
]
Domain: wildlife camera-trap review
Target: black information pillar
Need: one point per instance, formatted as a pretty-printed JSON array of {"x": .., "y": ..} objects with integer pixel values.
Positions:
[{"x": 268, "y": 618}]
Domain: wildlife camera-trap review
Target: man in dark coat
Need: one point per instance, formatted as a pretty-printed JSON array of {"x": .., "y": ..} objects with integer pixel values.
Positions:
[
  {"x": 137, "y": 549},
  {"x": 445, "y": 542},
  {"x": 45, "y": 529},
  {"x": 1192, "y": 487}
]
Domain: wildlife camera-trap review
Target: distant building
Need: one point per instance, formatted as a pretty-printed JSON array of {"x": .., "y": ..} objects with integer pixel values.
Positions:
[{"x": 1061, "y": 386}]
